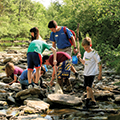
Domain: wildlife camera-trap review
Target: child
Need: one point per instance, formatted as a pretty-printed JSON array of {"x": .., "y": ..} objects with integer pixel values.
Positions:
[
  {"x": 63, "y": 64},
  {"x": 13, "y": 71},
  {"x": 23, "y": 78},
  {"x": 34, "y": 59},
  {"x": 90, "y": 60}
]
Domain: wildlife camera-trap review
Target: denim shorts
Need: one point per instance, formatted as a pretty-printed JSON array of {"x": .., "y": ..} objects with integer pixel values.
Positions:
[
  {"x": 34, "y": 60},
  {"x": 64, "y": 69},
  {"x": 88, "y": 80}
]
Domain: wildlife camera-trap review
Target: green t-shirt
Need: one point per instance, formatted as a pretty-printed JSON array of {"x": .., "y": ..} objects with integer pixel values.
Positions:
[{"x": 38, "y": 46}]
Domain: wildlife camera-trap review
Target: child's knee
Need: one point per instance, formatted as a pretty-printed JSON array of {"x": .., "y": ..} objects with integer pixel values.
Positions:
[{"x": 87, "y": 88}]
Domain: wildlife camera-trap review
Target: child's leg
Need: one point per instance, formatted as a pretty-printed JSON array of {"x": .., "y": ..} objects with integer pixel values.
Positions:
[
  {"x": 37, "y": 75},
  {"x": 30, "y": 76},
  {"x": 90, "y": 93}
]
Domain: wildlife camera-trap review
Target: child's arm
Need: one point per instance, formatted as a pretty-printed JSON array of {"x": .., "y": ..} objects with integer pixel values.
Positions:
[
  {"x": 81, "y": 60},
  {"x": 15, "y": 79},
  {"x": 53, "y": 76},
  {"x": 100, "y": 71},
  {"x": 54, "y": 54}
]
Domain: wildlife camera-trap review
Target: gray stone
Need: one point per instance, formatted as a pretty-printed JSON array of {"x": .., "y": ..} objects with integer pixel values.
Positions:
[{"x": 64, "y": 99}]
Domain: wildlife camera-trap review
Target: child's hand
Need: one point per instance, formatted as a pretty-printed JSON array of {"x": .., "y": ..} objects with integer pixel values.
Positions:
[
  {"x": 55, "y": 62},
  {"x": 99, "y": 77},
  {"x": 51, "y": 83},
  {"x": 79, "y": 55}
]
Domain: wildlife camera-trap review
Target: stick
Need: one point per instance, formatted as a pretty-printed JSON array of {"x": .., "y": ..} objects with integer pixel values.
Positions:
[{"x": 78, "y": 47}]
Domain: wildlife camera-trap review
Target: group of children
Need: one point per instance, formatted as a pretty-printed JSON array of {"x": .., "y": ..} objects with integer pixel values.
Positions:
[{"x": 61, "y": 60}]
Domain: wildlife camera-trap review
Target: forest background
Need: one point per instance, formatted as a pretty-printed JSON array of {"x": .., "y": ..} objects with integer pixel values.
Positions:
[{"x": 98, "y": 19}]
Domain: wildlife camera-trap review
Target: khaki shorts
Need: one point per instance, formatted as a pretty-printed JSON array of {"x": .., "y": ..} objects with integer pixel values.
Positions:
[{"x": 67, "y": 50}]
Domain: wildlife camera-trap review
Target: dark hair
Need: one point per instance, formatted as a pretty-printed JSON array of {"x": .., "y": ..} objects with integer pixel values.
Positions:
[
  {"x": 45, "y": 57},
  {"x": 36, "y": 33},
  {"x": 52, "y": 24}
]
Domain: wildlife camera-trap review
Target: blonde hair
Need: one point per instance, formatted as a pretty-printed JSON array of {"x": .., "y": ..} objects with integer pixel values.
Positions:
[
  {"x": 86, "y": 41},
  {"x": 9, "y": 68}
]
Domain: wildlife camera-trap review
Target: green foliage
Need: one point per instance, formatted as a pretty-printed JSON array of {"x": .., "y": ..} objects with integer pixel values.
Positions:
[{"x": 99, "y": 19}]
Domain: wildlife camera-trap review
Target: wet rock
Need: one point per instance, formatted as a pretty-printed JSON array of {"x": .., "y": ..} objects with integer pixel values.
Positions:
[
  {"x": 2, "y": 75},
  {"x": 64, "y": 99}
]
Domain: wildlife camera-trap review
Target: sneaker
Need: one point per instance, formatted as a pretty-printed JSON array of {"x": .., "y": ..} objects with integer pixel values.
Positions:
[
  {"x": 77, "y": 75},
  {"x": 36, "y": 86},
  {"x": 30, "y": 86},
  {"x": 92, "y": 103},
  {"x": 87, "y": 102}
]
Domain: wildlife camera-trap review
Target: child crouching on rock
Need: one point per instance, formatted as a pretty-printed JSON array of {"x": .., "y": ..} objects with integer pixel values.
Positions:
[
  {"x": 90, "y": 60},
  {"x": 23, "y": 78},
  {"x": 13, "y": 72}
]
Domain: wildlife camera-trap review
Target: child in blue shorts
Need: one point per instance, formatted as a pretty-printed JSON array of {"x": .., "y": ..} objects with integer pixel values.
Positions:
[{"x": 34, "y": 59}]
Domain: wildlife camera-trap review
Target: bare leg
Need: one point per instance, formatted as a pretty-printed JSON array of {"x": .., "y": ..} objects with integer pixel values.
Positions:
[
  {"x": 29, "y": 76},
  {"x": 90, "y": 94},
  {"x": 37, "y": 75},
  {"x": 73, "y": 69}
]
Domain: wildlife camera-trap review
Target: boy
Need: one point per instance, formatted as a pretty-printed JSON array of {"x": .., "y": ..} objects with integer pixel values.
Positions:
[
  {"x": 64, "y": 65},
  {"x": 23, "y": 78},
  {"x": 90, "y": 60},
  {"x": 34, "y": 59},
  {"x": 60, "y": 38}
]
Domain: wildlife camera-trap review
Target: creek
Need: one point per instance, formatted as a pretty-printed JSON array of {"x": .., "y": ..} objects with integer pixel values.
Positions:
[{"x": 66, "y": 113}]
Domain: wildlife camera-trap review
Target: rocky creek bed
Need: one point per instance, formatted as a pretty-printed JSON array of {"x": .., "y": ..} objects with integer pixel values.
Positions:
[{"x": 43, "y": 104}]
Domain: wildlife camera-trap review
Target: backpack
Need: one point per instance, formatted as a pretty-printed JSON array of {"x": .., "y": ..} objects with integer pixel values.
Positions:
[{"x": 64, "y": 29}]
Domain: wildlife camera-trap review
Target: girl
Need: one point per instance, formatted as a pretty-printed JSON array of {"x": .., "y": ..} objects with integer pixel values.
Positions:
[{"x": 13, "y": 72}]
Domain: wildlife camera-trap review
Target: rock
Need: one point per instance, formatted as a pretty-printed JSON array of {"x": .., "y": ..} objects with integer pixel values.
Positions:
[
  {"x": 3, "y": 85},
  {"x": 37, "y": 104},
  {"x": 104, "y": 95},
  {"x": 31, "y": 117},
  {"x": 3, "y": 96},
  {"x": 7, "y": 80},
  {"x": 7, "y": 60},
  {"x": 117, "y": 98},
  {"x": 64, "y": 99},
  {"x": 11, "y": 99},
  {"x": 2, "y": 75}
]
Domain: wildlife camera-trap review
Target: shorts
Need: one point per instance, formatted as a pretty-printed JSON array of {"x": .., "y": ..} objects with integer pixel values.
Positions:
[
  {"x": 64, "y": 69},
  {"x": 88, "y": 80},
  {"x": 34, "y": 60}
]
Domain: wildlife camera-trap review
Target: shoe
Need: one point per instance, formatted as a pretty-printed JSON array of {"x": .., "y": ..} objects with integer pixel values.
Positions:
[
  {"x": 36, "y": 86},
  {"x": 92, "y": 103},
  {"x": 84, "y": 100},
  {"x": 30, "y": 86},
  {"x": 87, "y": 102},
  {"x": 77, "y": 75}
]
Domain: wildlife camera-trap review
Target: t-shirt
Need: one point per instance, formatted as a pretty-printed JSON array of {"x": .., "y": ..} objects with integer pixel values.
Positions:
[
  {"x": 18, "y": 71},
  {"x": 24, "y": 75},
  {"x": 38, "y": 46},
  {"x": 61, "y": 38},
  {"x": 91, "y": 63},
  {"x": 61, "y": 56}
]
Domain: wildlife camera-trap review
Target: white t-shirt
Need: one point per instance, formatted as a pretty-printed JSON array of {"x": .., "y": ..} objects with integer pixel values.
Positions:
[{"x": 91, "y": 63}]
